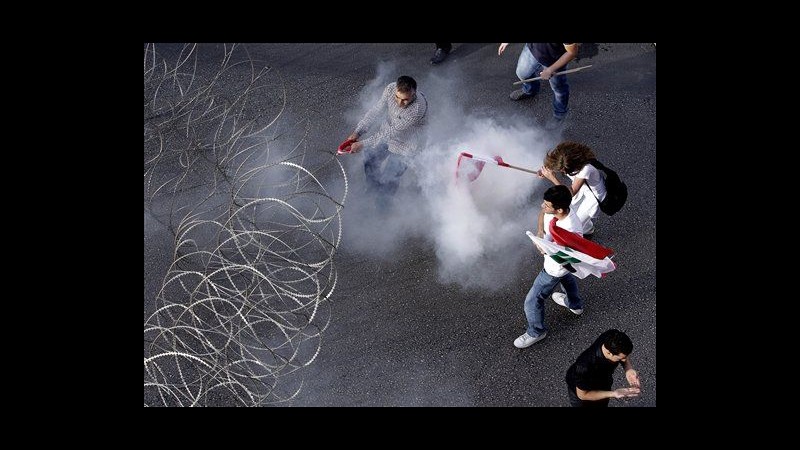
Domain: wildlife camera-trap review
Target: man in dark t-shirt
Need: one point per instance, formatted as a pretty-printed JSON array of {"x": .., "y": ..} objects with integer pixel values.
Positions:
[
  {"x": 541, "y": 59},
  {"x": 589, "y": 379}
]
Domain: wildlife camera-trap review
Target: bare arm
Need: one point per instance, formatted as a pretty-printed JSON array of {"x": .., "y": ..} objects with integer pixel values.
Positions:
[
  {"x": 544, "y": 172},
  {"x": 600, "y": 395},
  {"x": 576, "y": 185},
  {"x": 572, "y": 53},
  {"x": 540, "y": 230},
  {"x": 631, "y": 375},
  {"x": 540, "y": 224}
]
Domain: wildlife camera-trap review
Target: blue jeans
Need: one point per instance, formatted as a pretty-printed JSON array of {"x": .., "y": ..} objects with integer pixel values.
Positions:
[
  {"x": 543, "y": 286},
  {"x": 383, "y": 180},
  {"x": 529, "y": 67}
]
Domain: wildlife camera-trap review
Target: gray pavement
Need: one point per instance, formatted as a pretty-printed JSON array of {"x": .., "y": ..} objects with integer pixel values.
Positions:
[{"x": 398, "y": 336}]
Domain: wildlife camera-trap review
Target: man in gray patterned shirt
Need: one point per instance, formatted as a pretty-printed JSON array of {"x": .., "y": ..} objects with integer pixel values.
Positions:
[{"x": 388, "y": 151}]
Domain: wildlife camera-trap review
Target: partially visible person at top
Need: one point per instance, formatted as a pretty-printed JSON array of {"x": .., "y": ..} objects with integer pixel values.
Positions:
[
  {"x": 396, "y": 121},
  {"x": 589, "y": 379},
  {"x": 554, "y": 207},
  {"x": 442, "y": 50},
  {"x": 588, "y": 187},
  {"x": 544, "y": 60}
]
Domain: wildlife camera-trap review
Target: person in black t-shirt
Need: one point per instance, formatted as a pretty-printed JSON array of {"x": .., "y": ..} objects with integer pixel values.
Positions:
[
  {"x": 589, "y": 379},
  {"x": 544, "y": 60}
]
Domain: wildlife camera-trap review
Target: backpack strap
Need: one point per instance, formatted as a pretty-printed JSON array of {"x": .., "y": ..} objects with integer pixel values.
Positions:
[{"x": 599, "y": 169}]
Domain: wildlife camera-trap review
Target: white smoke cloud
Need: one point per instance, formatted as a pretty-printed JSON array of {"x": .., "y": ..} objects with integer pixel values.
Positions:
[{"x": 477, "y": 229}]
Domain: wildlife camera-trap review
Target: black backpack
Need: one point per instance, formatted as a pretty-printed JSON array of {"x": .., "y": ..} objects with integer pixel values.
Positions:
[{"x": 616, "y": 190}]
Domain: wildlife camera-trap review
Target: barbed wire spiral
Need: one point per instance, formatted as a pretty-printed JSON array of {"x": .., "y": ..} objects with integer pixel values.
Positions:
[{"x": 254, "y": 228}]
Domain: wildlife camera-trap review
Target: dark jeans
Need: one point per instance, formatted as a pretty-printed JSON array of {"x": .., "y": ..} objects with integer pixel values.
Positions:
[
  {"x": 543, "y": 286},
  {"x": 383, "y": 170},
  {"x": 575, "y": 402},
  {"x": 445, "y": 46},
  {"x": 529, "y": 67}
]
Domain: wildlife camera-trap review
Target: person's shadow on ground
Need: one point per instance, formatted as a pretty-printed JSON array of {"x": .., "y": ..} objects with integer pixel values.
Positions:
[
  {"x": 587, "y": 50},
  {"x": 466, "y": 49}
]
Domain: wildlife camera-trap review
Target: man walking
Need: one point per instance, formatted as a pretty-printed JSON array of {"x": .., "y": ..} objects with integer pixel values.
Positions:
[
  {"x": 555, "y": 205},
  {"x": 589, "y": 379},
  {"x": 537, "y": 59}
]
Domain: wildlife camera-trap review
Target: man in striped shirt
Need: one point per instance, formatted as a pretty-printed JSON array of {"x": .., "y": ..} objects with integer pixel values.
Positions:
[{"x": 398, "y": 138}]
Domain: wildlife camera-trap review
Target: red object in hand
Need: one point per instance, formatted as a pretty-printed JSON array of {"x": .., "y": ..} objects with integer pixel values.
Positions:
[
  {"x": 344, "y": 147},
  {"x": 500, "y": 161}
]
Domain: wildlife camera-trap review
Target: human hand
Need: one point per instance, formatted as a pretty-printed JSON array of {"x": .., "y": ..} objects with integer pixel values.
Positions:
[
  {"x": 546, "y": 74},
  {"x": 626, "y": 392},
  {"x": 352, "y": 137},
  {"x": 356, "y": 147},
  {"x": 502, "y": 48},
  {"x": 547, "y": 173},
  {"x": 633, "y": 378}
]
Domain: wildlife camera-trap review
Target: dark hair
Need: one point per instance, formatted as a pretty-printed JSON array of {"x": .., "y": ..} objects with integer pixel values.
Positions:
[
  {"x": 406, "y": 84},
  {"x": 618, "y": 342},
  {"x": 559, "y": 195}
]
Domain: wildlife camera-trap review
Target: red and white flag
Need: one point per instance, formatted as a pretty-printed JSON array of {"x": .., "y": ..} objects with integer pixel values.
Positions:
[{"x": 580, "y": 256}]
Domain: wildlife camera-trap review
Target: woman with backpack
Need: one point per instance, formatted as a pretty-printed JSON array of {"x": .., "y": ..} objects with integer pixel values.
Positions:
[{"x": 588, "y": 187}]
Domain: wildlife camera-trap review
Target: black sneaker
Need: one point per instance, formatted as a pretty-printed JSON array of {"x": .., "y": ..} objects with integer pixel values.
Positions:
[
  {"x": 439, "y": 56},
  {"x": 519, "y": 94}
]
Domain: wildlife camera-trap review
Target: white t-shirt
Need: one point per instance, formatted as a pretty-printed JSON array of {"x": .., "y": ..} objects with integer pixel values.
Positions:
[
  {"x": 569, "y": 223},
  {"x": 594, "y": 179}
]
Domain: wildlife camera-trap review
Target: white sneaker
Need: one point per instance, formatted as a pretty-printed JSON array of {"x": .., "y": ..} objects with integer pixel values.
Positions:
[
  {"x": 561, "y": 299},
  {"x": 526, "y": 340}
]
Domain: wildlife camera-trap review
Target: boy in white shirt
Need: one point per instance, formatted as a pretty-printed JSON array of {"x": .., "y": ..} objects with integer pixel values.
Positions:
[{"x": 556, "y": 205}]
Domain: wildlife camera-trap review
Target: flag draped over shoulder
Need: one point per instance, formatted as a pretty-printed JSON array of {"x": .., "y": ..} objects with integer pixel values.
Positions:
[
  {"x": 580, "y": 256},
  {"x": 577, "y": 242}
]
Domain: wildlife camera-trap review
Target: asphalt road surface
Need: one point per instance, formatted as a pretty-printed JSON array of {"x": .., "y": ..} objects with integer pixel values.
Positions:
[{"x": 398, "y": 335}]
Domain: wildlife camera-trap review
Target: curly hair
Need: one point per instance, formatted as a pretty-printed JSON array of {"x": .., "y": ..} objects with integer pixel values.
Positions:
[
  {"x": 569, "y": 156},
  {"x": 553, "y": 160}
]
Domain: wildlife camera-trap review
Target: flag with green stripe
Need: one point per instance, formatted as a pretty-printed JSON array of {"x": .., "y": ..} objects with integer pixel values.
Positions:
[{"x": 582, "y": 265}]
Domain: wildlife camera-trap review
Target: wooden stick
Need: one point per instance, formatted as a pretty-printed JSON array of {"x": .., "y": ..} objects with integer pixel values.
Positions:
[
  {"x": 555, "y": 74},
  {"x": 519, "y": 168}
]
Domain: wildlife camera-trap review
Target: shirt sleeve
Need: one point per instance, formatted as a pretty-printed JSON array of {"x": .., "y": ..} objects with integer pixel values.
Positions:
[
  {"x": 581, "y": 377},
  {"x": 584, "y": 172},
  {"x": 592, "y": 176},
  {"x": 547, "y": 219},
  {"x": 375, "y": 111}
]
